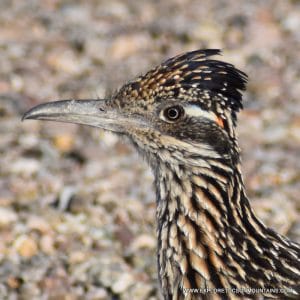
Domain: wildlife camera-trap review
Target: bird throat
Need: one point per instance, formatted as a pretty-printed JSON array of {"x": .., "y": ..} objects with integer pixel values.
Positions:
[{"x": 192, "y": 224}]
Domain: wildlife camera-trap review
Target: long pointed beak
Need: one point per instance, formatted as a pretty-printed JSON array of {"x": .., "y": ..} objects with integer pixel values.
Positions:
[{"x": 88, "y": 112}]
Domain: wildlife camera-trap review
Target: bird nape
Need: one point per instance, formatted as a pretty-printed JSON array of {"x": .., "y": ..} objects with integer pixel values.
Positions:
[{"x": 181, "y": 116}]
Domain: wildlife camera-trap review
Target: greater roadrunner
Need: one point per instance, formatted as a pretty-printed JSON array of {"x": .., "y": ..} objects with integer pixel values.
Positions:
[{"x": 181, "y": 117}]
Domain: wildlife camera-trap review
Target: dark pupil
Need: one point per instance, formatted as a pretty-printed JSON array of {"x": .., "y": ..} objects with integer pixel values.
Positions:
[{"x": 173, "y": 113}]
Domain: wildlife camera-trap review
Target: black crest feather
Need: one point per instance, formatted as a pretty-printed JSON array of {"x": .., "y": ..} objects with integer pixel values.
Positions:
[{"x": 193, "y": 77}]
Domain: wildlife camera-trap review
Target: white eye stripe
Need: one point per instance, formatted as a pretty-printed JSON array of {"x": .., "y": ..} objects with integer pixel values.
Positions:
[{"x": 196, "y": 111}]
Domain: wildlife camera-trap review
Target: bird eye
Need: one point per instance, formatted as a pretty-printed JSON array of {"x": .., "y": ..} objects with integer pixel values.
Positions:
[{"x": 173, "y": 113}]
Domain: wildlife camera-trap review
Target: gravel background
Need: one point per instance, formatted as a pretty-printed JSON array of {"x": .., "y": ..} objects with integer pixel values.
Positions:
[{"x": 76, "y": 204}]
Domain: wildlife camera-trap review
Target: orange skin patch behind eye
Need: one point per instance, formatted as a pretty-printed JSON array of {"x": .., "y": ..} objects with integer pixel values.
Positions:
[{"x": 220, "y": 122}]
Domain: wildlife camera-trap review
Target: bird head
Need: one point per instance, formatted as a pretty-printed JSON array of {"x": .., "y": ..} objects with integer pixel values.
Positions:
[{"x": 183, "y": 109}]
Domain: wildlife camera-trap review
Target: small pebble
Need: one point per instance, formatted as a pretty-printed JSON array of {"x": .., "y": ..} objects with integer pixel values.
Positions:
[
  {"x": 64, "y": 142},
  {"x": 7, "y": 216},
  {"x": 143, "y": 241},
  {"x": 39, "y": 224},
  {"x": 47, "y": 244},
  {"x": 26, "y": 166},
  {"x": 26, "y": 246},
  {"x": 122, "y": 283}
]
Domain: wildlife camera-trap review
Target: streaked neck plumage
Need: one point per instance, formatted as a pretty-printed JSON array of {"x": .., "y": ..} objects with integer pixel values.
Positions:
[{"x": 209, "y": 238}]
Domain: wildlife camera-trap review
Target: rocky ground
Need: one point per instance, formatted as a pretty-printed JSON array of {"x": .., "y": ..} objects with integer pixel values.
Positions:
[{"x": 77, "y": 205}]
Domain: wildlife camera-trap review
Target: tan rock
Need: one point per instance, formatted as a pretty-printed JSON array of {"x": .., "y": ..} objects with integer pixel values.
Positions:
[
  {"x": 47, "y": 244},
  {"x": 64, "y": 142},
  {"x": 39, "y": 224},
  {"x": 143, "y": 241},
  {"x": 123, "y": 283},
  {"x": 26, "y": 246},
  {"x": 77, "y": 257},
  {"x": 125, "y": 46},
  {"x": 7, "y": 216}
]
